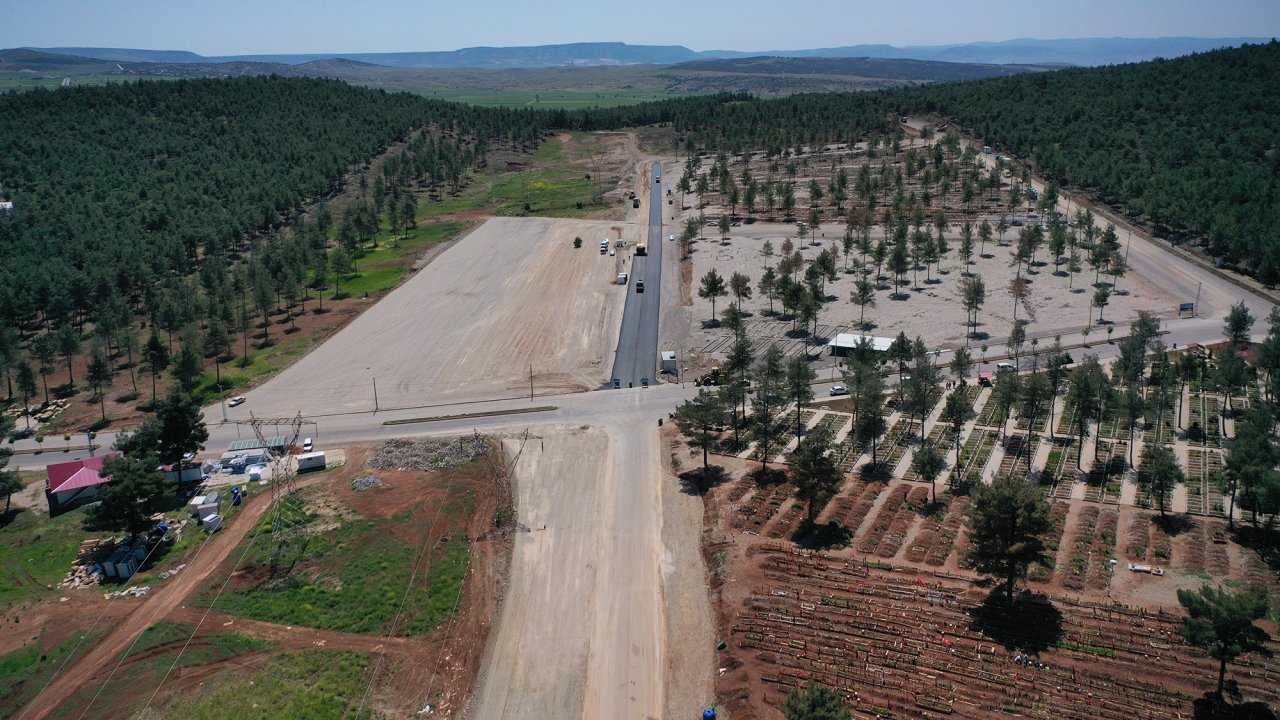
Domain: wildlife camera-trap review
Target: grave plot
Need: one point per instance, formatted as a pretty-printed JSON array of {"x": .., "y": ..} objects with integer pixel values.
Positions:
[
  {"x": 759, "y": 508},
  {"x": 1092, "y": 545},
  {"x": 1016, "y": 458},
  {"x": 936, "y": 537},
  {"x": 901, "y": 643},
  {"x": 1052, "y": 540},
  {"x": 889, "y": 528},
  {"x": 1204, "y": 495},
  {"x": 1146, "y": 542},
  {"x": 974, "y": 455},
  {"x": 1105, "y": 475},
  {"x": 1061, "y": 467},
  {"x": 1203, "y": 421},
  {"x": 850, "y": 507},
  {"x": 1166, "y": 433}
]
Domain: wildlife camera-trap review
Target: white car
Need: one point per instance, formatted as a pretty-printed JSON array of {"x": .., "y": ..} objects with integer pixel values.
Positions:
[
  {"x": 307, "y": 445},
  {"x": 1006, "y": 366},
  {"x": 839, "y": 390},
  {"x": 237, "y": 400},
  {"x": 672, "y": 237}
]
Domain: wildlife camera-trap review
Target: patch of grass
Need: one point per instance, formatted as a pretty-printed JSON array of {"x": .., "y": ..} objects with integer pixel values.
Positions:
[
  {"x": 551, "y": 192},
  {"x": 352, "y": 578},
  {"x": 293, "y": 686},
  {"x": 380, "y": 270},
  {"x": 217, "y": 647},
  {"x": 24, "y": 672},
  {"x": 36, "y": 552}
]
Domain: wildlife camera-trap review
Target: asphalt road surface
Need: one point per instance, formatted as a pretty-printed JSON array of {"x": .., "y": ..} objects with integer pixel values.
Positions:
[{"x": 637, "y": 356}]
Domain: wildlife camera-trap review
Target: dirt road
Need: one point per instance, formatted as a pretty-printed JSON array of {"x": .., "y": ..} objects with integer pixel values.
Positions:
[
  {"x": 581, "y": 629},
  {"x": 94, "y": 664},
  {"x": 511, "y": 297}
]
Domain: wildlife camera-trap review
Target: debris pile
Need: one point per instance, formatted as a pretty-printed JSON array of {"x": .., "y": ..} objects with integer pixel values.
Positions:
[
  {"x": 427, "y": 455},
  {"x": 170, "y": 573},
  {"x": 368, "y": 482},
  {"x": 137, "y": 591},
  {"x": 86, "y": 569}
]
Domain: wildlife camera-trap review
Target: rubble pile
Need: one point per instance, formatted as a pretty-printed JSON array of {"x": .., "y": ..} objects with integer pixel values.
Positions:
[
  {"x": 427, "y": 455},
  {"x": 368, "y": 482},
  {"x": 86, "y": 569},
  {"x": 137, "y": 591}
]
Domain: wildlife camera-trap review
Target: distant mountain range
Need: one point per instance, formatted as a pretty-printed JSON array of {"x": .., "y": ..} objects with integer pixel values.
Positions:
[{"x": 1074, "y": 51}]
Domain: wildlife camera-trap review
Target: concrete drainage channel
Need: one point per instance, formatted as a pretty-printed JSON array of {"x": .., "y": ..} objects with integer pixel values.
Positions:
[{"x": 464, "y": 416}]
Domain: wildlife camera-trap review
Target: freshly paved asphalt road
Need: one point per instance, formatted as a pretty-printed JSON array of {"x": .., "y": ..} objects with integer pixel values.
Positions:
[{"x": 637, "y": 355}]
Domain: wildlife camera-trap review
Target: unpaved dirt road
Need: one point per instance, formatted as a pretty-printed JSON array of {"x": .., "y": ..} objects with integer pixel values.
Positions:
[
  {"x": 581, "y": 629},
  {"x": 513, "y": 295},
  {"x": 97, "y": 662}
]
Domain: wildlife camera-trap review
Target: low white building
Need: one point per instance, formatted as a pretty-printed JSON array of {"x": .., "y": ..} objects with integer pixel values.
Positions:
[{"x": 845, "y": 343}]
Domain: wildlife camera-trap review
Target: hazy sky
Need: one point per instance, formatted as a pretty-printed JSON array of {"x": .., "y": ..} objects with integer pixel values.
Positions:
[{"x": 229, "y": 27}]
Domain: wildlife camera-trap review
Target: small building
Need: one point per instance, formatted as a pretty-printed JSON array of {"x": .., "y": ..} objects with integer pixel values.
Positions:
[
  {"x": 71, "y": 484},
  {"x": 845, "y": 344},
  {"x": 6, "y": 206},
  {"x": 183, "y": 472},
  {"x": 669, "y": 362}
]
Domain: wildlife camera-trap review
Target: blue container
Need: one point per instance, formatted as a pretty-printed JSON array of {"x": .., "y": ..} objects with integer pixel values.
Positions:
[
  {"x": 235, "y": 499},
  {"x": 709, "y": 714}
]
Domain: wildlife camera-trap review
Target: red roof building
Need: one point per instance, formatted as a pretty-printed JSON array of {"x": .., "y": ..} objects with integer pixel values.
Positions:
[{"x": 73, "y": 483}]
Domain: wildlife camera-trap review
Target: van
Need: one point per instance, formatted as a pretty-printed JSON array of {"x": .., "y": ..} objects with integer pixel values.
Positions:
[
  {"x": 307, "y": 445},
  {"x": 1006, "y": 366}
]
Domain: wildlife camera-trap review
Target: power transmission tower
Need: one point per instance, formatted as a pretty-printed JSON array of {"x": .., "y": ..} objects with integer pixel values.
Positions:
[{"x": 286, "y": 517}]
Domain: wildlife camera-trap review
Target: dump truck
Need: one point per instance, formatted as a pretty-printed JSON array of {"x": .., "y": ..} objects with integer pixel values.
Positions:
[{"x": 642, "y": 249}]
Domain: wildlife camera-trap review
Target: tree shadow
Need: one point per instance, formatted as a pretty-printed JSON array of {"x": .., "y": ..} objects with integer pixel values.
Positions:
[
  {"x": 1174, "y": 525},
  {"x": 764, "y": 477},
  {"x": 875, "y": 472},
  {"x": 700, "y": 480},
  {"x": 7, "y": 518},
  {"x": 1032, "y": 624},
  {"x": 812, "y": 536},
  {"x": 1211, "y": 707}
]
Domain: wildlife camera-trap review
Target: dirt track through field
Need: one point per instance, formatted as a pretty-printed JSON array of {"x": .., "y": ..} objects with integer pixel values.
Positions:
[
  {"x": 511, "y": 297},
  {"x": 96, "y": 663}
]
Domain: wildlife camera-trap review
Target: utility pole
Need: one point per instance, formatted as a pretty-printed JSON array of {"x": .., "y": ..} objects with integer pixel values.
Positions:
[
  {"x": 1195, "y": 311},
  {"x": 375, "y": 394},
  {"x": 530, "y": 382}
]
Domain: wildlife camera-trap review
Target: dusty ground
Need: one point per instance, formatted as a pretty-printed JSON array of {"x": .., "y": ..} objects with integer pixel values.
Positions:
[
  {"x": 931, "y": 310},
  {"x": 512, "y": 294},
  {"x": 1157, "y": 279}
]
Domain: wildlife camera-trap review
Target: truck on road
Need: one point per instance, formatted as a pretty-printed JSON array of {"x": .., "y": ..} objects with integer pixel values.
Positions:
[{"x": 642, "y": 249}]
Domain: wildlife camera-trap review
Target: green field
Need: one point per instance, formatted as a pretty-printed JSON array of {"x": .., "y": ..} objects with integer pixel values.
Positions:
[
  {"x": 25, "y": 672},
  {"x": 36, "y": 552},
  {"x": 352, "y": 577},
  {"x": 548, "y": 99},
  {"x": 298, "y": 685}
]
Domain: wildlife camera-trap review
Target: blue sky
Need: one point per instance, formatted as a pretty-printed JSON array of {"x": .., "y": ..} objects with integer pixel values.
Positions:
[{"x": 226, "y": 27}]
